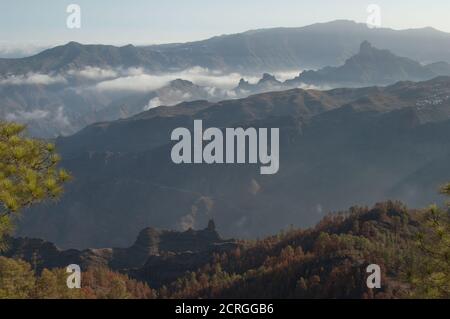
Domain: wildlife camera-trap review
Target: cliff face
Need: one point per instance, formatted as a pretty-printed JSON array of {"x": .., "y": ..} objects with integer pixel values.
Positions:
[
  {"x": 152, "y": 242},
  {"x": 157, "y": 256},
  {"x": 371, "y": 66}
]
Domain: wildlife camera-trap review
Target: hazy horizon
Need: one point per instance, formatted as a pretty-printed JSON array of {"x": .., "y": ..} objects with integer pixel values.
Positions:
[
  {"x": 26, "y": 29},
  {"x": 23, "y": 50}
]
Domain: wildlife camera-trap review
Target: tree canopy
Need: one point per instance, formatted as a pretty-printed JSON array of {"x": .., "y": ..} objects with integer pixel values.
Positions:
[
  {"x": 29, "y": 173},
  {"x": 432, "y": 276}
]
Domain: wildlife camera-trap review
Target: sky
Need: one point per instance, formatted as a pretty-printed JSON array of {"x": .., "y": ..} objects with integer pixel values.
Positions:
[{"x": 27, "y": 25}]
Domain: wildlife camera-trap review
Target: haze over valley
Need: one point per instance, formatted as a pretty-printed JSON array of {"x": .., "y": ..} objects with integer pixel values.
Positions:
[
  {"x": 63, "y": 89},
  {"x": 247, "y": 149}
]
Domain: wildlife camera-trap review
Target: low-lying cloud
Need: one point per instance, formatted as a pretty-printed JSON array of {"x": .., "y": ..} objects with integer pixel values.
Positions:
[
  {"x": 56, "y": 116},
  {"x": 140, "y": 81},
  {"x": 33, "y": 78},
  {"x": 94, "y": 73},
  {"x": 137, "y": 79},
  {"x": 15, "y": 50},
  {"x": 136, "y": 83},
  {"x": 286, "y": 75},
  {"x": 140, "y": 90},
  {"x": 23, "y": 116}
]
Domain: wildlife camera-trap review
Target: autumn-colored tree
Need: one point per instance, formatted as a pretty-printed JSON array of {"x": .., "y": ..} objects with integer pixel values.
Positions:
[
  {"x": 431, "y": 278},
  {"x": 102, "y": 283},
  {"x": 28, "y": 173},
  {"x": 52, "y": 284},
  {"x": 16, "y": 279}
]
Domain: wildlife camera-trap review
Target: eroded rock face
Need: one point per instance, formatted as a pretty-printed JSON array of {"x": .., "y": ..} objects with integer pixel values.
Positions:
[
  {"x": 153, "y": 242},
  {"x": 371, "y": 66},
  {"x": 157, "y": 256},
  {"x": 170, "y": 254}
]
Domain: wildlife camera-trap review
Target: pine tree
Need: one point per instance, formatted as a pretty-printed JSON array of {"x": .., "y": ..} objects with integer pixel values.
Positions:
[
  {"x": 17, "y": 279},
  {"x": 431, "y": 278},
  {"x": 28, "y": 174}
]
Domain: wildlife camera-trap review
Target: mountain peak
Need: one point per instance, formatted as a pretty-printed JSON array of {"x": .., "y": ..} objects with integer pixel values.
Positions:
[
  {"x": 242, "y": 81},
  {"x": 267, "y": 77},
  {"x": 244, "y": 85},
  {"x": 365, "y": 47},
  {"x": 73, "y": 44},
  {"x": 211, "y": 225},
  {"x": 180, "y": 83},
  {"x": 372, "y": 66}
]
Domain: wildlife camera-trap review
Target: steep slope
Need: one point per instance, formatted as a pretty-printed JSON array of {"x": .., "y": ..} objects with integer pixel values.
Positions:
[
  {"x": 372, "y": 66},
  {"x": 52, "y": 110},
  {"x": 337, "y": 148},
  {"x": 108, "y": 136},
  {"x": 267, "y": 83},
  {"x": 329, "y": 260},
  {"x": 74, "y": 55},
  {"x": 63, "y": 89},
  {"x": 63, "y": 109}
]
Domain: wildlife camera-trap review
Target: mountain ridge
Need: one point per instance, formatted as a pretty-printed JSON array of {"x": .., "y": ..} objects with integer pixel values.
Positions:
[
  {"x": 337, "y": 145},
  {"x": 317, "y": 262},
  {"x": 372, "y": 66},
  {"x": 253, "y": 51}
]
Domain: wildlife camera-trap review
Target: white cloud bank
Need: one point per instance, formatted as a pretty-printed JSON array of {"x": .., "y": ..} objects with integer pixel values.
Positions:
[
  {"x": 57, "y": 116},
  {"x": 94, "y": 73},
  {"x": 140, "y": 81},
  {"x": 137, "y": 79},
  {"x": 23, "y": 116},
  {"x": 33, "y": 78}
]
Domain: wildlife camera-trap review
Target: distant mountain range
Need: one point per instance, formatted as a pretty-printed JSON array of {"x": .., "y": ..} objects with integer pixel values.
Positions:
[
  {"x": 363, "y": 143},
  {"x": 76, "y": 99},
  {"x": 63, "y": 109},
  {"x": 256, "y": 51},
  {"x": 338, "y": 148},
  {"x": 364, "y": 117},
  {"x": 372, "y": 66}
]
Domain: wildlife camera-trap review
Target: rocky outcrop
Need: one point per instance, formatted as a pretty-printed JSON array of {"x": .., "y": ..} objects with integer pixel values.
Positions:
[
  {"x": 157, "y": 256},
  {"x": 152, "y": 242},
  {"x": 371, "y": 66},
  {"x": 163, "y": 269},
  {"x": 267, "y": 83}
]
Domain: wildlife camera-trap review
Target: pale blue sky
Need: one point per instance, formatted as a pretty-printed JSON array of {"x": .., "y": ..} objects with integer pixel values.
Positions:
[{"x": 43, "y": 22}]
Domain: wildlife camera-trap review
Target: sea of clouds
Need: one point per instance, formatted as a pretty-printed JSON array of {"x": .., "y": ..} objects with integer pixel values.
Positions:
[
  {"x": 115, "y": 83},
  {"x": 138, "y": 79}
]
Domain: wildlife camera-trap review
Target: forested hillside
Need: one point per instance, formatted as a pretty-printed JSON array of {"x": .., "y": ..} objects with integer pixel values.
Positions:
[{"x": 326, "y": 261}]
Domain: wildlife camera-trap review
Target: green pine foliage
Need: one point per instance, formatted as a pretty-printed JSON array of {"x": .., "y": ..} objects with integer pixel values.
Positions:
[
  {"x": 431, "y": 273},
  {"x": 16, "y": 279},
  {"x": 28, "y": 173}
]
